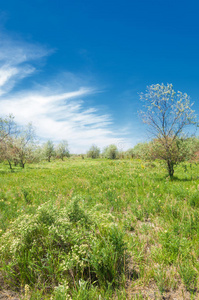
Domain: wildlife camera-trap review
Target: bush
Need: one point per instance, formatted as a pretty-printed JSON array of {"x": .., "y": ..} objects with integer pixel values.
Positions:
[
  {"x": 68, "y": 244},
  {"x": 94, "y": 152},
  {"x": 142, "y": 151},
  {"x": 62, "y": 150},
  {"x": 111, "y": 152}
]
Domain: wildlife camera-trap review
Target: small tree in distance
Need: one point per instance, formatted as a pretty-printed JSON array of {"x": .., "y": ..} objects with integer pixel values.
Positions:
[
  {"x": 8, "y": 127},
  {"x": 24, "y": 145},
  {"x": 62, "y": 150},
  {"x": 142, "y": 151},
  {"x": 111, "y": 152},
  {"x": 93, "y": 152},
  {"x": 17, "y": 143},
  {"x": 49, "y": 150},
  {"x": 167, "y": 113},
  {"x": 8, "y": 131}
]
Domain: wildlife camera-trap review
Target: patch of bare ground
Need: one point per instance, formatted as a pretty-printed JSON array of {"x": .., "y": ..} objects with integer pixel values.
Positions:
[
  {"x": 151, "y": 292},
  {"x": 148, "y": 223},
  {"x": 6, "y": 293},
  {"x": 147, "y": 233}
]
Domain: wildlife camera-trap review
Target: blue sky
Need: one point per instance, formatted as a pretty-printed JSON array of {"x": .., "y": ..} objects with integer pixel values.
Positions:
[{"x": 75, "y": 68}]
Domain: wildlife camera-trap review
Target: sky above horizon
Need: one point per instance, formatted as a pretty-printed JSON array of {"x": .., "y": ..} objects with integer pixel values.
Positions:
[{"x": 75, "y": 68}]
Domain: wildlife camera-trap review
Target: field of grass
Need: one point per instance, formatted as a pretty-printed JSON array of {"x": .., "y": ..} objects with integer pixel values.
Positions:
[{"x": 99, "y": 229}]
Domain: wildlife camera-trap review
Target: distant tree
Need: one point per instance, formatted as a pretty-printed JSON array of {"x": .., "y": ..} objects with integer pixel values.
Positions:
[
  {"x": 17, "y": 143},
  {"x": 129, "y": 153},
  {"x": 8, "y": 127},
  {"x": 24, "y": 145},
  {"x": 142, "y": 151},
  {"x": 93, "y": 152},
  {"x": 7, "y": 150},
  {"x": 48, "y": 150},
  {"x": 121, "y": 154},
  {"x": 167, "y": 113},
  {"x": 180, "y": 150},
  {"x": 111, "y": 152},
  {"x": 62, "y": 150},
  {"x": 8, "y": 130},
  {"x": 193, "y": 143}
]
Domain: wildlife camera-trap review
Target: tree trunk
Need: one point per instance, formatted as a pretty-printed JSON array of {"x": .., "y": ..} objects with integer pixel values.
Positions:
[
  {"x": 170, "y": 168},
  {"x": 10, "y": 165},
  {"x": 22, "y": 164}
]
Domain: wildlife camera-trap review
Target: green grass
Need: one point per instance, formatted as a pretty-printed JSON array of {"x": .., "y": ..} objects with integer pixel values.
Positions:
[{"x": 140, "y": 229}]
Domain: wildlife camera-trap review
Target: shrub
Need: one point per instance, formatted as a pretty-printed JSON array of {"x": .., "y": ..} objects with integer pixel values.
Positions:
[
  {"x": 94, "y": 152},
  {"x": 62, "y": 150},
  {"x": 68, "y": 244},
  {"x": 142, "y": 151},
  {"x": 111, "y": 152}
]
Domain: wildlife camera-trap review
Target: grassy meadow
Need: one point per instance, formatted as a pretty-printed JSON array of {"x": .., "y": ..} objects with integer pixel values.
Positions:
[{"x": 99, "y": 229}]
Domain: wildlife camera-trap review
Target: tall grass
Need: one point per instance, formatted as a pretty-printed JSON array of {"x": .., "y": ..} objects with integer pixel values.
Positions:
[{"x": 86, "y": 229}]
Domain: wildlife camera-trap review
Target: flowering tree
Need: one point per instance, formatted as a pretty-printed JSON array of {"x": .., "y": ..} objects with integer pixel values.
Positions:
[
  {"x": 8, "y": 127},
  {"x": 167, "y": 113},
  {"x": 24, "y": 145},
  {"x": 16, "y": 142}
]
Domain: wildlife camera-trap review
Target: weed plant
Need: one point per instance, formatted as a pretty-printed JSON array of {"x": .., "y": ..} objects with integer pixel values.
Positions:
[{"x": 68, "y": 244}]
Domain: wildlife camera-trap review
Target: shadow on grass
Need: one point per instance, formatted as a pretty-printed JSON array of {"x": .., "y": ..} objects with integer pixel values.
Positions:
[
  {"x": 8, "y": 171},
  {"x": 176, "y": 178},
  {"x": 37, "y": 168},
  {"x": 19, "y": 169},
  {"x": 2, "y": 172}
]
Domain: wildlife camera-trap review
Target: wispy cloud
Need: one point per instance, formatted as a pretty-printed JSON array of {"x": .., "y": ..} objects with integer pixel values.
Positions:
[
  {"x": 56, "y": 113},
  {"x": 17, "y": 60},
  {"x": 16, "y": 51}
]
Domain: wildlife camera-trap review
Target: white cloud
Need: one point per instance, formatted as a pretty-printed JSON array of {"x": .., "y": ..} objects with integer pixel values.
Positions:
[
  {"x": 6, "y": 73},
  {"x": 62, "y": 116},
  {"x": 16, "y": 51},
  {"x": 16, "y": 61},
  {"x": 56, "y": 113}
]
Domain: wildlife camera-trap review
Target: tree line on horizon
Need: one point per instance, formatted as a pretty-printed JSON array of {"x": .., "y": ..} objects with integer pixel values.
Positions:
[
  {"x": 166, "y": 112},
  {"x": 18, "y": 145}
]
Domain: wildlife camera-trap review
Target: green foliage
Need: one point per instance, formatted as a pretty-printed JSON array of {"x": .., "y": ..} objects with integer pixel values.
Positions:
[
  {"x": 142, "y": 151},
  {"x": 130, "y": 230},
  {"x": 94, "y": 152},
  {"x": 62, "y": 150},
  {"x": 61, "y": 292},
  {"x": 167, "y": 113},
  {"x": 107, "y": 258},
  {"x": 17, "y": 144},
  {"x": 182, "y": 149},
  {"x": 111, "y": 152},
  {"x": 24, "y": 145},
  {"x": 189, "y": 275},
  {"x": 129, "y": 153},
  {"x": 48, "y": 150},
  {"x": 194, "y": 199},
  {"x": 62, "y": 244}
]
